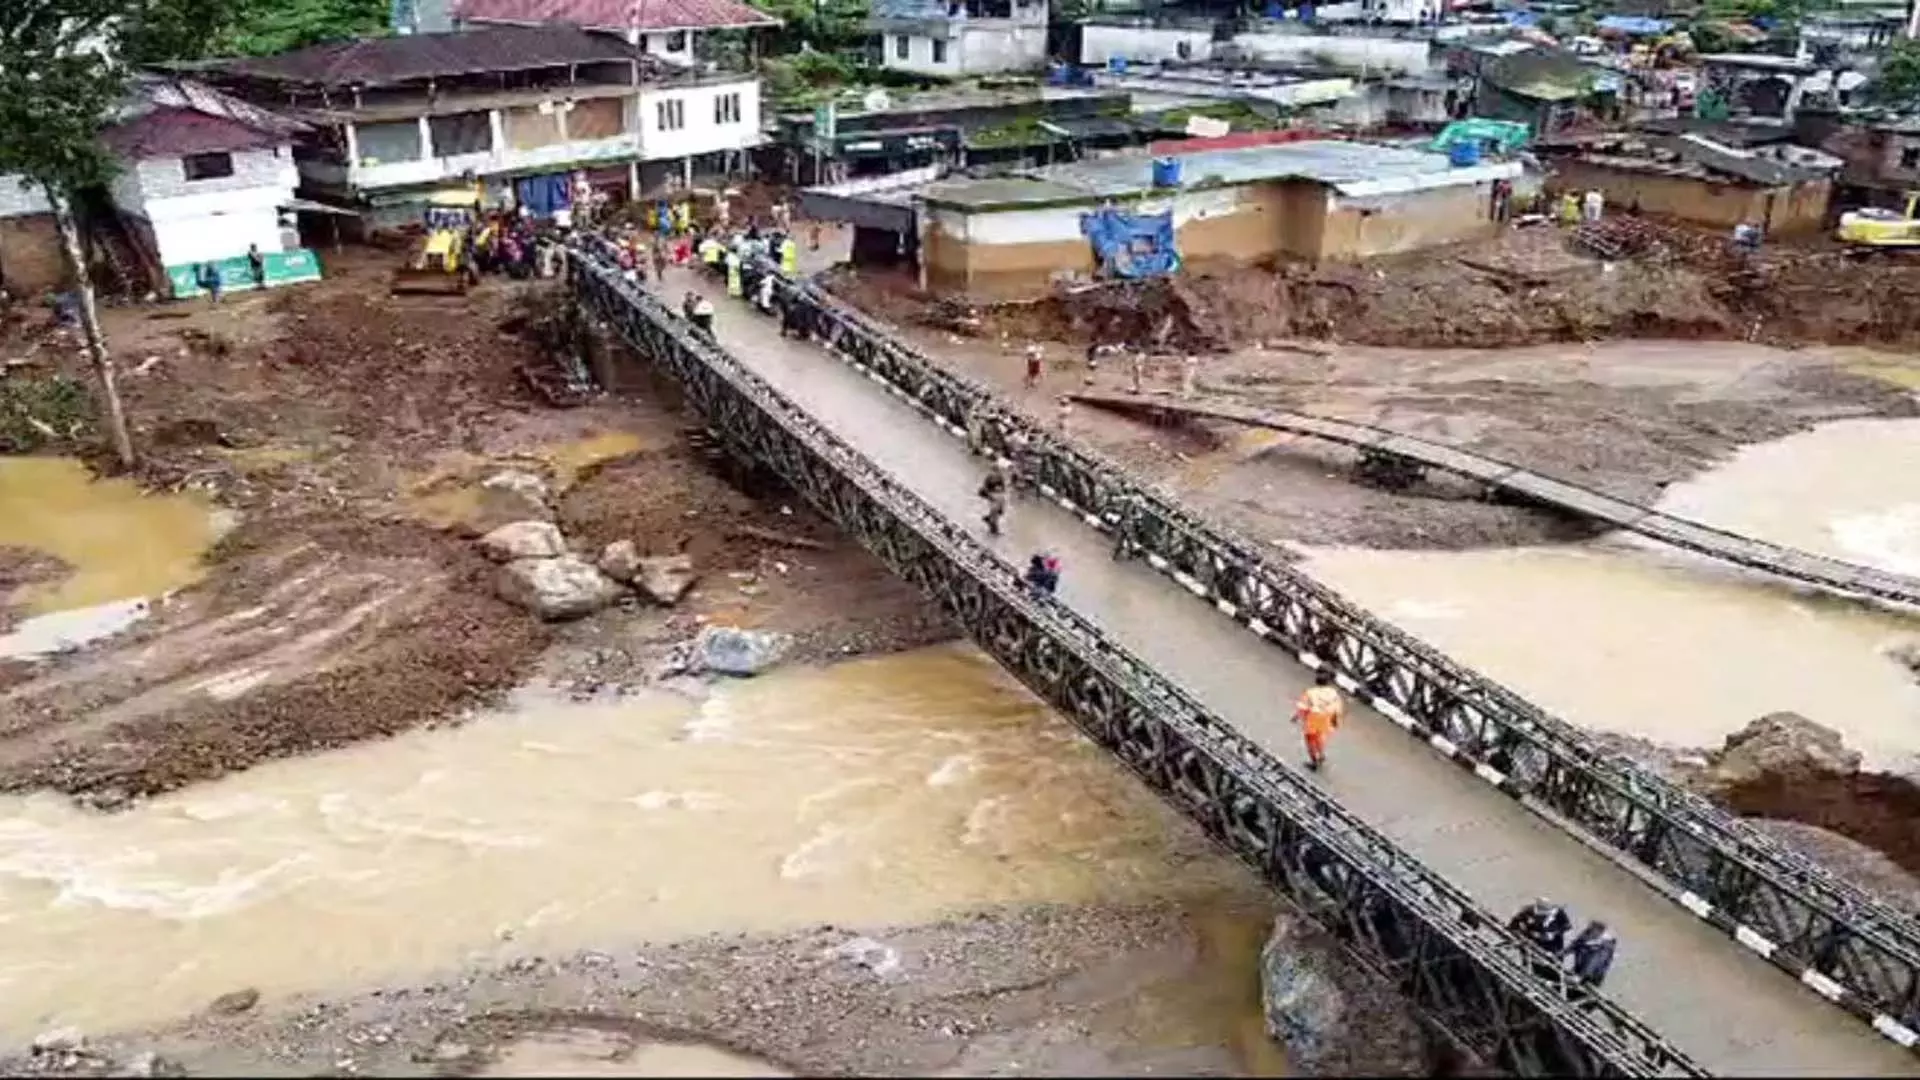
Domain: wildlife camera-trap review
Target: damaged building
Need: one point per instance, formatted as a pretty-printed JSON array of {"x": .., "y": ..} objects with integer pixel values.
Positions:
[{"x": 1719, "y": 180}]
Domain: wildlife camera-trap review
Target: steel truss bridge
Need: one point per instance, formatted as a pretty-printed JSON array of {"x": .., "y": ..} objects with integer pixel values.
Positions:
[
  {"x": 1472, "y": 980},
  {"x": 1396, "y": 459}
]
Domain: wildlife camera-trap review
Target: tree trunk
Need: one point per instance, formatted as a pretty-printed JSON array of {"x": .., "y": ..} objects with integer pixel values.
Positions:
[{"x": 90, "y": 326}]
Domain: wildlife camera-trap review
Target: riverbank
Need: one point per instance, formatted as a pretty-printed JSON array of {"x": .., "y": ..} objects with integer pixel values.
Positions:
[
  {"x": 352, "y": 445},
  {"x": 1092, "y": 990}
]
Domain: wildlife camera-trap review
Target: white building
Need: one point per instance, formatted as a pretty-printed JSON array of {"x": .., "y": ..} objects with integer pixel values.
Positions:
[
  {"x": 523, "y": 109},
  {"x": 958, "y": 38},
  {"x": 1148, "y": 41},
  {"x": 203, "y": 178}
]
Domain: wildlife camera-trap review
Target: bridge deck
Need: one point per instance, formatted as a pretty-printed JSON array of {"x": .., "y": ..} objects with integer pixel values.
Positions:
[
  {"x": 1725, "y": 1007},
  {"x": 1679, "y": 532}
]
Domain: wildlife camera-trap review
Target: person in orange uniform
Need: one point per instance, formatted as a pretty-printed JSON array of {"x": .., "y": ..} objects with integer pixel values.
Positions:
[{"x": 1318, "y": 713}]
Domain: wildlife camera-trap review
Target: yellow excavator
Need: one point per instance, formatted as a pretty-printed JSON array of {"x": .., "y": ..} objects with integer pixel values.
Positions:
[
  {"x": 442, "y": 264},
  {"x": 1875, "y": 228}
]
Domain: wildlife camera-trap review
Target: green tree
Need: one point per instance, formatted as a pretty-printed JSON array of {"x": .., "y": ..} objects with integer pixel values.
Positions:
[
  {"x": 265, "y": 27},
  {"x": 64, "y": 66},
  {"x": 1898, "y": 82}
]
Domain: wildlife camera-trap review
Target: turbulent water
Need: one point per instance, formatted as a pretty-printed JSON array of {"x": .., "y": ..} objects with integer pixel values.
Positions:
[
  {"x": 888, "y": 790},
  {"x": 1628, "y": 637}
]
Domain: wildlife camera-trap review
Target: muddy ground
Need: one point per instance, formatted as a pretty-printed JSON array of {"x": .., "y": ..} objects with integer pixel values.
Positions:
[
  {"x": 1528, "y": 286},
  {"x": 348, "y": 430}
]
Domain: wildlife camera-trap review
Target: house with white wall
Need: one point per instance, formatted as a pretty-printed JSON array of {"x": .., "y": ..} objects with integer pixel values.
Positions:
[
  {"x": 960, "y": 38},
  {"x": 1107, "y": 39},
  {"x": 515, "y": 108},
  {"x": 203, "y": 179}
]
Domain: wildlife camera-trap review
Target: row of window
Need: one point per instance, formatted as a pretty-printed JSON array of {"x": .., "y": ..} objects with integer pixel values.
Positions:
[
  {"x": 903, "y": 48},
  {"x": 671, "y": 115}
]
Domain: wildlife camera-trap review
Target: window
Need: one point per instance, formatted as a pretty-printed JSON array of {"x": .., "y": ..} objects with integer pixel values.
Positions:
[
  {"x": 902, "y": 45},
  {"x": 670, "y": 115},
  {"x": 939, "y": 51},
  {"x": 677, "y": 41},
  {"x": 726, "y": 109},
  {"x": 1910, "y": 157},
  {"x": 207, "y": 166}
]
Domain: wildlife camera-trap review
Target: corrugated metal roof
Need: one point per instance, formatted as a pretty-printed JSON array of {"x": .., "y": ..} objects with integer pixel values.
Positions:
[
  {"x": 175, "y": 132},
  {"x": 1351, "y": 168},
  {"x": 649, "y": 15},
  {"x": 386, "y": 60}
]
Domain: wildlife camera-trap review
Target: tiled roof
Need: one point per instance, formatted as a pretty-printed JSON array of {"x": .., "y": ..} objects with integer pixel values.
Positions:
[
  {"x": 175, "y": 132},
  {"x": 649, "y": 15},
  {"x": 386, "y": 60}
]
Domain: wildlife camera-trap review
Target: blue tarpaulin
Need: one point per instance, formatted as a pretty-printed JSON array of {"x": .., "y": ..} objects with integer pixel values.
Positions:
[
  {"x": 1131, "y": 245},
  {"x": 1520, "y": 18},
  {"x": 1634, "y": 25},
  {"x": 542, "y": 195}
]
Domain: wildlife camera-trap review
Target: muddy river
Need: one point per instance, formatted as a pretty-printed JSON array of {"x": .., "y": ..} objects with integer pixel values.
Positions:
[
  {"x": 1627, "y": 636},
  {"x": 891, "y": 790}
]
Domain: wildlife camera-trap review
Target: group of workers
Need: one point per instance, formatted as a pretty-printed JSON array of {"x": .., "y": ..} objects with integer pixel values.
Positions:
[{"x": 1589, "y": 956}]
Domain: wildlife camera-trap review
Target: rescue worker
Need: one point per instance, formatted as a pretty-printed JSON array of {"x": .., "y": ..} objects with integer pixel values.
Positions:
[
  {"x": 660, "y": 260},
  {"x": 1544, "y": 923},
  {"x": 734, "y": 287},
  {"x": 1043, "y": 574},
  {"x": 1189, "y": 375},
  {"x": 1137, "y": 367},
  {"x": 763, "y": 294},
  {"x": 1063, "y": 412},
  {"x": 994, "y": 490},
  {"x": 711, "y": 251},
  {"x": 1318, "y": 714},
  {"x": 1035, "y": 357},
  {"x": 1591, "y": 953},
  {"x": 789, "y": 255}
]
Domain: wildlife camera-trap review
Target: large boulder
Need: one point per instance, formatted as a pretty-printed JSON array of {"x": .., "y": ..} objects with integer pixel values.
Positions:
[
  {"x": 1305, "y": 1008},
  {"x": 731, "y": 650},
  {"x": 666, "y": 578},
  {"x": 561, "y": 588},
  {"x": 1779, "y": 744},
  {"x": 620, "y": 560},
  {"x": 524, "y": 540}
]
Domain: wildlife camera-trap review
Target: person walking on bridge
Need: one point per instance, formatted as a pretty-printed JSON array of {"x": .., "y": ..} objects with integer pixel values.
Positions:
[
  {"x": 994, "y": 490},
  {"x": 1318, "y": 714},
  {"x": 1544, "y": 923},
  {"x": 1591, "y": 954}
]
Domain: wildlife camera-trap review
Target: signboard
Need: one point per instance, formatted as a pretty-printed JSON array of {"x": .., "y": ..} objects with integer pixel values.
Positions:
[
  {"x": 282, "y": 268},
  {"x": 826, "y": 122}
]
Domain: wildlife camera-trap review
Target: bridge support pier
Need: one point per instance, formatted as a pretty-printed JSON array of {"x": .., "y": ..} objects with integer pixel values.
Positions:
[{"x": 1387, "y": 471}]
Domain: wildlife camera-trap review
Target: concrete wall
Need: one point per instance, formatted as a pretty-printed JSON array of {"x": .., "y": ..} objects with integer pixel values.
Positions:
[
  {"x": 974, "y": 47},
  {"x": 217, "y": 218},
  {"x": 1018, "y": 252},
  {"x": 30, "y": 260},
  {"x": 1785, "y": 210},
  {"x": 1143, "y": 44},
  {"x": 18, "y": 199},
  {"x": 704, "y": 132}
]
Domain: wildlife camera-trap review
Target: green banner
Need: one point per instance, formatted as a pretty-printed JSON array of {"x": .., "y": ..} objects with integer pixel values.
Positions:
[{"x": 282, "y": 268}]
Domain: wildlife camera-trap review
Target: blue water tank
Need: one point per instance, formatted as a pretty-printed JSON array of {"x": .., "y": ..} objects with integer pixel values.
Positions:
[
  {"x": 1166, "y": 172},
  {"x": 1117, "y": 65},
  {"x": 1465, "y": 153}
]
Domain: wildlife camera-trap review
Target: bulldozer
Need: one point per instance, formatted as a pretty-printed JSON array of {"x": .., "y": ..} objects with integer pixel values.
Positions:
[
  {"x": 1871, "y": 228},
  {"x": 442, "y": 264}
]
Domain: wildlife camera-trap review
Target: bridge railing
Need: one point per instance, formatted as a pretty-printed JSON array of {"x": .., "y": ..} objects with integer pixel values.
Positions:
[
  {"x": 1839, "y": 940},
  {"x": 1456, "y": 963}
]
